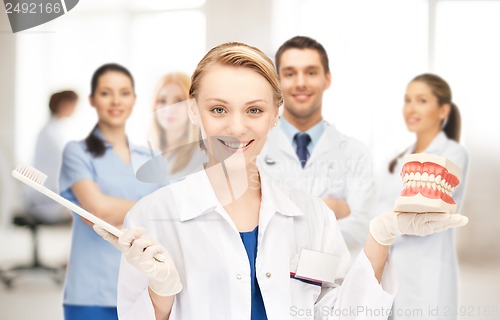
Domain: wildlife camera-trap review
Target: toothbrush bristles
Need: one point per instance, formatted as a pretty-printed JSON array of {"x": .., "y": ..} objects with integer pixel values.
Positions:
[{"x": 31, "y": 173}]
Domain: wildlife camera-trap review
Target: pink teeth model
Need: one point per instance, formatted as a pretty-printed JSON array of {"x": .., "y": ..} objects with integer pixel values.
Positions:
[{"x": 428, "y": 184}]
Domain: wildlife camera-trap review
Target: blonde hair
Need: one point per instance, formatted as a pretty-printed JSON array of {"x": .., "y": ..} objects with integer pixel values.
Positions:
[
  {"x": 184, "y": 153},
  {"x": 236, "y": 54}
]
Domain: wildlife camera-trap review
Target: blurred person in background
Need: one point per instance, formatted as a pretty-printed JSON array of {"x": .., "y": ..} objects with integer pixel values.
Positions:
[
  {"x": 426, "y": 266},
  {"x": 306, "y": 152},
  {"x": 174, "y": 134},
  {"x": 97, "y": 174},
  {"x": 48, "y": 158}
]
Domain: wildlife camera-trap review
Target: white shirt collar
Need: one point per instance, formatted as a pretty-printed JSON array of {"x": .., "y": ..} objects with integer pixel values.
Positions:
[
  {"x": 437, "y": 143},
  {"x": 204, "y": 200},
  {"x": 435, "y": 146}
]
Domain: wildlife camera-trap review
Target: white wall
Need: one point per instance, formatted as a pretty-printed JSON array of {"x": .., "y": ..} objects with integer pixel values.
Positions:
[
  {"x": 7, "y": 107},
  {"x": 466, "y": 53},
  {"x": 239, "y": 20}
]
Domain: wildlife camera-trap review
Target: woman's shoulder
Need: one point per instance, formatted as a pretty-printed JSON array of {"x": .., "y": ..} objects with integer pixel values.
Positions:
[
  {"x": 455, "y": 146},
  {"x": 74, "y": 150},
  {"x": 75, "y": 144},
  {"x": 455, "y": 151},
  {"x": 139, "y": 149},
  {"x": 162, "y": 202},
  {"x": 162, "y": 195}
]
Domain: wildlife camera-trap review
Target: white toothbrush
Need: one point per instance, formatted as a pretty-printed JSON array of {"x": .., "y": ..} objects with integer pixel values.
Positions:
[{"x": 35, "y": 179}]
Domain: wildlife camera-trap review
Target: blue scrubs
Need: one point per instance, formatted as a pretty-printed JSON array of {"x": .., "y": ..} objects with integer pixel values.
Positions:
[
  {"x": 86, "y": 312},
  {"x": 250, "y": 242},
  {"x": 92, "y": 274}
]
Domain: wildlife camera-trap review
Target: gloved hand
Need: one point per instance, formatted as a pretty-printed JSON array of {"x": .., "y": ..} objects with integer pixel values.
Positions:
[
  {"x": 388, "y": 226},
  {"x": 148, "y": 256}
]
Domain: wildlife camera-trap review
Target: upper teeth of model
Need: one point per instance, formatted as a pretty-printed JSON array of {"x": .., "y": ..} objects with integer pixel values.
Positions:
[{"x": 427, "y": 180}]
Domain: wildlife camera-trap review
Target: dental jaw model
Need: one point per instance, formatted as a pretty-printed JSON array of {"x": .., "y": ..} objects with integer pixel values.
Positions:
[{"x": 429, "y": 182}]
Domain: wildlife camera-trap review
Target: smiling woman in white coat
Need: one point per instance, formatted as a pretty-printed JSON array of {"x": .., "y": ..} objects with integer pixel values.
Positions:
[
  {"x": 426, "y": 266},
  {"x": 225, "y": 243}
]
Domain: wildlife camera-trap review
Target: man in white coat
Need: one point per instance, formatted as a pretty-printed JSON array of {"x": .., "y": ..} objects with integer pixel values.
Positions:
[
  {"x": 48, "y": 158},
  {"x": 307, "y": 153}
]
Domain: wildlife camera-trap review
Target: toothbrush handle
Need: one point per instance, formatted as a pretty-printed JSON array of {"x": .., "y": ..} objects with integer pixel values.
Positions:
[{"x": 68, "y": 204}]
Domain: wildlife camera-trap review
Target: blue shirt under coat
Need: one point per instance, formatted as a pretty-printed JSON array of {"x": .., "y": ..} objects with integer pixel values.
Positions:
[
  {"x": 315, "y": 132},
  {"x": 250, "y": 242}
]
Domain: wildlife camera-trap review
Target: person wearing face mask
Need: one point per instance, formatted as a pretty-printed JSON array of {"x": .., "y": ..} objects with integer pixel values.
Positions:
[
  {"x": 173, "y": 134},
  {"x": 226, "y": 243},
  {"x": 426, "y": 266},
  {"x": 97, "y": 174}
]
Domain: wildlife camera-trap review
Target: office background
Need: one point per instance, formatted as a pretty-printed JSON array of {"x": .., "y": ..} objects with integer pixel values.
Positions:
[{"x": 375, "y": 48}]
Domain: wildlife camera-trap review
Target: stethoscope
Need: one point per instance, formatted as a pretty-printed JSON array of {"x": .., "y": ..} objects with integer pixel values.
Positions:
[{"x": 269, "y": 161}]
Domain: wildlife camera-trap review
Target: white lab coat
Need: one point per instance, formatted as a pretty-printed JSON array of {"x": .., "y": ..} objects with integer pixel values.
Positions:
[
  {"x": 213, "y": 266},
  {"x": 48, "y": 159},
  {"x": 426, "y": 266},
  {"x": 339, "y": 167}
]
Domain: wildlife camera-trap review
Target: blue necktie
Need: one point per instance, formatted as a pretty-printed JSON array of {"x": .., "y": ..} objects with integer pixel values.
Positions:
[{"x": 302, "y": 140}]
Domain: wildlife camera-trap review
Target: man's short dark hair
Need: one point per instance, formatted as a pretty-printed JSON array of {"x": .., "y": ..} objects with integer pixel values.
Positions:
[
  {"x": 59, "y": 97},
  {"x": 301, "y": 42}
]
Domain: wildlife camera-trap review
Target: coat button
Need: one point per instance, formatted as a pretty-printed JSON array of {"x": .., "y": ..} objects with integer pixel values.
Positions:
[
  {"x": 268, "y": 274},
  {"x": 238, "y": 276}
]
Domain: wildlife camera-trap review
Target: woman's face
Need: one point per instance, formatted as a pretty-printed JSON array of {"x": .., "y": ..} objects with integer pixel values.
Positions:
[
  {"x": 113, "y": 99},
  {"x": 421, "y": 111},
  {"x": 171, "y": 107},
  {"x": 236, "y": 109}
]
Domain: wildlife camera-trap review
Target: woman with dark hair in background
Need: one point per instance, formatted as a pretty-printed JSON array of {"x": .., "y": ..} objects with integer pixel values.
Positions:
[
  {"x": 426, "y": 266},
  {"x": 97, "y": 174}
]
